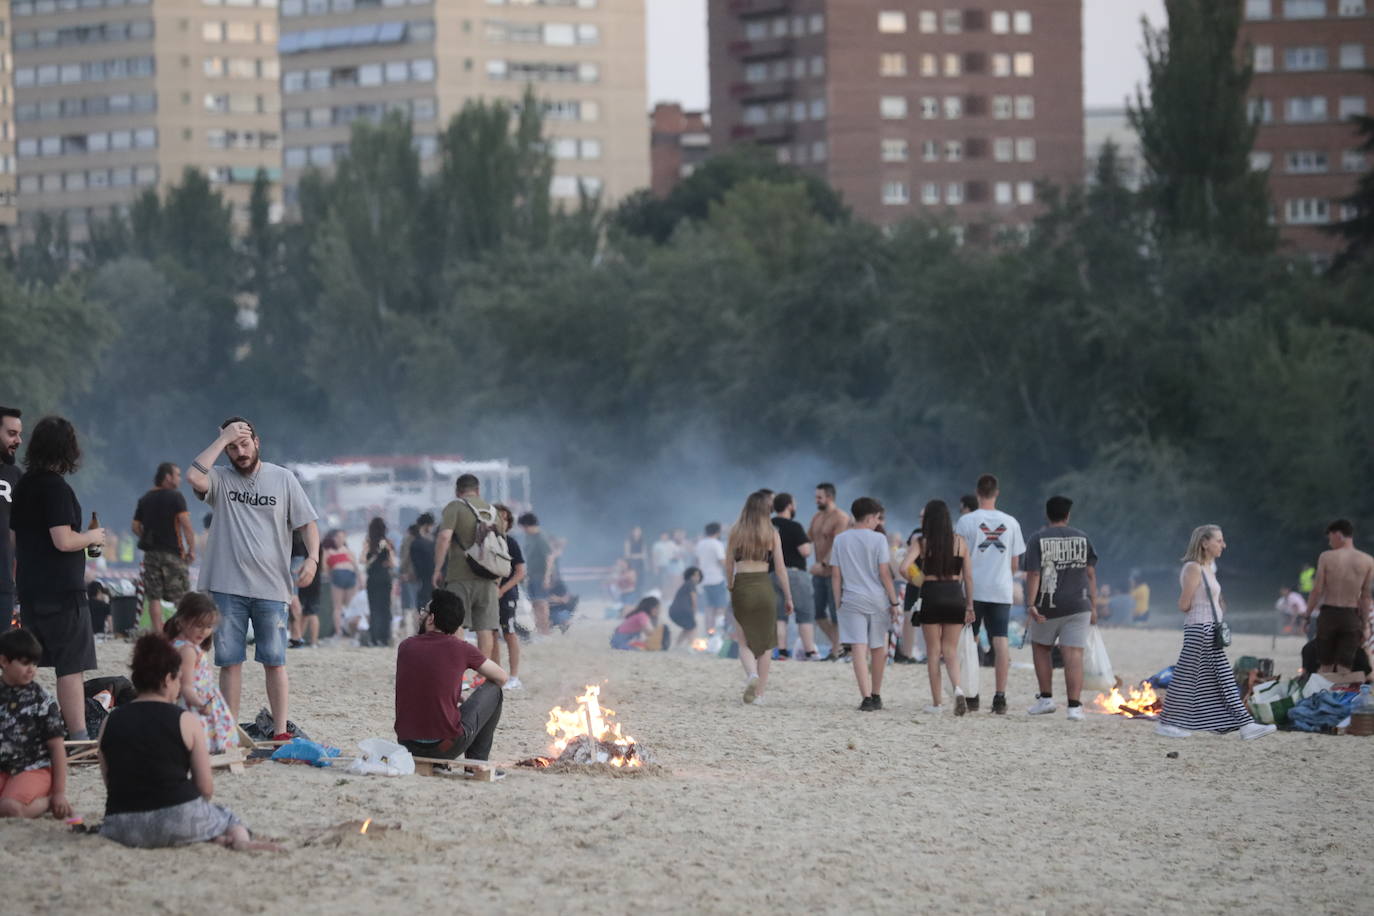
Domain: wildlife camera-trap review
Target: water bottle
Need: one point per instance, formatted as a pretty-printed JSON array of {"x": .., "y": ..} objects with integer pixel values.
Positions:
[{"x": 1364, "y": 703}]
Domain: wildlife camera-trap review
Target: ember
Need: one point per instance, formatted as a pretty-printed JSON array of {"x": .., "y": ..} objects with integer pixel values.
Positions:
[
  {"x": 699, "y": 645},
  {"x": 1136, "y": 703}
]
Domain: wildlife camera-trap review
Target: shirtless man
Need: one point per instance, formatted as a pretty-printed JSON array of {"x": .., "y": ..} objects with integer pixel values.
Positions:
[
  {"x": 1342, "y": 591},
  {"x": 828, "y": 522}
]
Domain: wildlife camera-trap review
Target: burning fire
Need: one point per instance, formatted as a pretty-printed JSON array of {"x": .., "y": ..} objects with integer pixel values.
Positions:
[
  {"x": 366, "y": 824},
  {"x": 699, "y": 645},
  {"x": 591, "y": 719},
  {"x": 1138, "y": 701}
]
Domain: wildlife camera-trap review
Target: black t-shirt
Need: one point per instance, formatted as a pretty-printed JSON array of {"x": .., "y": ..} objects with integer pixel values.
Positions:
[
  {"x": 43, "y": 500},
  {"x": 157, "y": 512},
  {"x": 148, "y": 763},
  {"x": 793, "y": 536},
  {"x": 510, "y": 598},
  {"x": 9, "y": 476},
  {"x": 422, "y": 557}
]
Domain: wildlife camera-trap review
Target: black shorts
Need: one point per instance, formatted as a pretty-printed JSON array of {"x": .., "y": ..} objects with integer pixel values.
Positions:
[
  {"x": 683, "y": 617},
  {"x": 995, "y": 617},
  {"x": 62, "y": 624},
  {"x": 310, "y": 608},
  {"x": 1340, "y": 630},
  {"x": 507, "y": 608}
]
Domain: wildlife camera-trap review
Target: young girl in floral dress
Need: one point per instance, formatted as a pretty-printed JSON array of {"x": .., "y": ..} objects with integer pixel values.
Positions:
[{"x": 191, "y": 630}]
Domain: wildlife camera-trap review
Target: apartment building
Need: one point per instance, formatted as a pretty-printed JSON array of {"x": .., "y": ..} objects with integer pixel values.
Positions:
[
  {"x": 8, "y": 214},
  {"x": 114, "y": 96},
  {"x": 907, "y": 108},
  {"x": 344, "y": 60},
  {"x": 1311, "y": 60},
  {"x": 679, "y": 141}
]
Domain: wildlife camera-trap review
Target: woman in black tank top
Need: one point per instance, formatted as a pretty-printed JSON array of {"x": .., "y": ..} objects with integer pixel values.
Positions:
[
  {"x": 156, "y": 765},
  {"x": 946, "y": 598}
]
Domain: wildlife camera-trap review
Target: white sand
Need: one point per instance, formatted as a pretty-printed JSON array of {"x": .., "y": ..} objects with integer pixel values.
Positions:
[{"x": 803, "y": 804}]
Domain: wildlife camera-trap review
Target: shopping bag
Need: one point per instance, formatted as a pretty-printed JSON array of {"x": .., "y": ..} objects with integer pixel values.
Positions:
[
  {"x": 968, "y": 662},
  {"x": 1097, "y": 666},
  {"x": 381, "y": 757},
  {"x": 1314, "y": 684},
  {"x": 1269, "y": 703}
]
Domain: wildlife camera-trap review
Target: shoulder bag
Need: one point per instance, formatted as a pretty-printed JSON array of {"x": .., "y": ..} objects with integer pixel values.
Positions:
[{"x": 1221, "y": 630}]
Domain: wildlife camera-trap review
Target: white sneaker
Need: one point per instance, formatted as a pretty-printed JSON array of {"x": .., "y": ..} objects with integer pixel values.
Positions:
[
  {"x": 1076, "y": 714},
  {"x": 751, "y": 688},
  {"x": 514, "y": 684},
  {"x": 1256, "y": 730},
  {"x": 934, "y": 710},
  {"x": 1043, "y": 706},
  {"x": 1164, "y": 730},
  {"x": 758, "y": 701},
  {"x": 960, "y": 701}
]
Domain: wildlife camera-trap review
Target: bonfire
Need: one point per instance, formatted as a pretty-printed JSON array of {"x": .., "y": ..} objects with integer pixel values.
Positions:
[
  {"x": 586, "y": 734},
  {"x": 1136, "y": 703}
]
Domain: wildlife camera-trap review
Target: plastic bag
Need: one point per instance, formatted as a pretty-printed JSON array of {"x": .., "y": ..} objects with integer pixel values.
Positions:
[
  {"x": 312, "y": 752},
  {"x": 1097, "y": 665},
  {"x": 1269, "y": 703},
  {"x": 1300, "y": 690},
  {"x": 381, "y": 757},
  {"x": 968, "y": 662}
]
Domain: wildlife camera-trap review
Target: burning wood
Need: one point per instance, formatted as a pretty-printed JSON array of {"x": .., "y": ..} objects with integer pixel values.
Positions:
[
  {"x": 586, "y": 735},
  {"x": 699, "y": 645},
  {"x": 1137, "y": 703},
  {"x": 351, "y": 831}
]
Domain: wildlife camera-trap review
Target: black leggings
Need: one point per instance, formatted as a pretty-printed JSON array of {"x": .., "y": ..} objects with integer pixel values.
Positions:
[{"x": 379, "y": 604}]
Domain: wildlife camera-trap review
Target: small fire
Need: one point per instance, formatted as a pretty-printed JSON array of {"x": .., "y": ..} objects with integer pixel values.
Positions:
[
  {"x": 591, "y": 719},
  {"x": 1138, "y": 701},
  {"x": 699, "y": 645},
  {"x": 363, "y": 829}
]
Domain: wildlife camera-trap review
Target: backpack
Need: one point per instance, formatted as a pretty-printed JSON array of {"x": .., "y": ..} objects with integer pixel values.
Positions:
[{"x": 488, "y": 555}]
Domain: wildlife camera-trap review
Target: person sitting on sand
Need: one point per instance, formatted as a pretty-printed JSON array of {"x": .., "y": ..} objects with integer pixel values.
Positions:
[
  {"x": 432, "y": 718},
  {"x": 156, "y": 764},
  {"x": 637, "y": 626},
  {"x": 33, "y": 757},
  {"x": 192, "y": 631}
]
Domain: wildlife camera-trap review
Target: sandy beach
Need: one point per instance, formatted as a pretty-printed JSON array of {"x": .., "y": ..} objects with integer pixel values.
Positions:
[{"x": 804, "y": 804}]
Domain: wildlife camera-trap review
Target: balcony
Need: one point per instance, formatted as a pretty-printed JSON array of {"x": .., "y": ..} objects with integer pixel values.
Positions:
[
  {"x": 762, "y": 92},
  {"x": 760, "y": 7},
  {"x": 773, "y": 132},
  {"x": 764, "y": 47}
]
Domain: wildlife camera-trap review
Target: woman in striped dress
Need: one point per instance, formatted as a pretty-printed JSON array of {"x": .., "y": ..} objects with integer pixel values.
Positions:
[{"x": 1202, "y": 695}]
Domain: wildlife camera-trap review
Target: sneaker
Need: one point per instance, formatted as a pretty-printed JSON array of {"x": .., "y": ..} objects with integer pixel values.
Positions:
[
  {"x": 900, "y": 659},
  {"x": 972, "y": 704},
  {"x": 1165, "y": 730},
  {"x": 867, "y": 705},
  {"x": 514, "y": 684},
  {"x": 782, "y": 655},
  {"x": 758, "y": 701},
  {"x": 1076, "y": 714},
  {"x": 812, "y": 656},
  {"x": 877, "y": 702},
  {"x": 1256, "y": 730},
  {"x": 751, "y": 688},
  {"x": 999, "y": 704},
  {"x": 960, "y": 702},
  {"x": 1043, "y": 706},
  {"x": 933, "y": 709},
  {"x": 295, "y": 643}
]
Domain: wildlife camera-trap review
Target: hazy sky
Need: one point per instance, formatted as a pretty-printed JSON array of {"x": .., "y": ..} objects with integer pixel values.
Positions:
[{"x": 1111, "y": 50}]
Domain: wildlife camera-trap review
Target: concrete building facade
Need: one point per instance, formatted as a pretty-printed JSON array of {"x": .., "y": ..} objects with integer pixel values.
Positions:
[
  {"x": 9, "y": 214},
  {"x": 907, "y": 108},
  {"x": 679, "y": 141},
  {"x": 1312, "y": 61}
]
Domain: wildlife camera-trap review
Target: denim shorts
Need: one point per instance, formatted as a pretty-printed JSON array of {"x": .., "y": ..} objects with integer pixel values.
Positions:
[
  {"x": 822, "y": 591},
  {"x": 995, "y": 617},
  {"x": 269, "y": 630},
  {"x": 717, "y": 596}
]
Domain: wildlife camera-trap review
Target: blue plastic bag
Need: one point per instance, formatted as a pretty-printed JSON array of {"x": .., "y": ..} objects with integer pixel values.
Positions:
[
  {"x": 312, "y": 752},
  {"x": 1162, "y": 678}
]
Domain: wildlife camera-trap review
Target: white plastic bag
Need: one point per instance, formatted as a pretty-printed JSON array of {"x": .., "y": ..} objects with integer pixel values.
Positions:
[
  {"x": 969, "y": 672},
  {"x": 381, "y": 757},
  {"x": 1097, "y": 666}
]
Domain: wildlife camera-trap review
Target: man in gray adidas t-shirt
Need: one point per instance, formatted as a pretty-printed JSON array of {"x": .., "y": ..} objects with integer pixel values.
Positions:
[{"x": 247, "y": 560}]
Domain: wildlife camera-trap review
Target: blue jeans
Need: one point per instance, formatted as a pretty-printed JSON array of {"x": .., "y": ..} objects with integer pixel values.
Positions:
[{"x": 269, "y": 630}]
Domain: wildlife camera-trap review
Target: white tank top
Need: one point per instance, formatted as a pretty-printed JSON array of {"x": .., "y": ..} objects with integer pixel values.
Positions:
[{"x": 1201, "y": 609}]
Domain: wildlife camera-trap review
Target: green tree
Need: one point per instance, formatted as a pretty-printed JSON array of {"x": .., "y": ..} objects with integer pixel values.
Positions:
[
  {"x": 1358, "y": 231},
  {"x": 53, "y": 337}
]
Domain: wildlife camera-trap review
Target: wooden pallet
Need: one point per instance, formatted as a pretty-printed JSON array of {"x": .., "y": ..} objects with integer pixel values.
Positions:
[
  {"x": 82, "y": 751},
  {"x": 233, "y": 761},
  {"x": 476, "y": 770}
]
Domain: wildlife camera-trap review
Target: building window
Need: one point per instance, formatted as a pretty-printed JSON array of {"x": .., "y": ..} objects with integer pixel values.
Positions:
[
  {"x": 1003, "y": 149},
  {"x": 954, "y": 107},
  {"x": 928, "y": 22},
  {"x": 1306, "y": 162},
  {"x": 1307, "y": 211},
  {"x": 1021, "y": 22},
  {"x": 1001, "y": 107},
  {"x": 953, "y": 21},
  {"x": 1001, "y": 65},
  {"x": 954, "y": 150},
  {"x": 1262, "y": 110},
  {"x": 1352, "y": 160},
  {"x": 892, "y": 64},
  {"x": 954, "y": 192},
  {"x": 1260, "y": 162},
  {"x": 1000, "y": 22},
  {"x": 930, "y": 193},
  {"x": 1307, "y": 58},
  {"x": 1001, "y": 192},
  {"x": 1025, "y": 149},
  {"x": 1304, "y": 9},
  {"x": 1023, "y": 64},
  {"x": 930, "y": 65},
  {"x": 1351, "y": 105},
  {"x": 930, "y": 107},
  {"x": 892, "y": 107},
  {"x": 1259, "y": 9},
  {"x": 894, "y": 150},
  {"x": 1352, "y": 7},
  {"x": 818, "y": 109},
  {"x": 1025, "y": 192},
  {"x": 1352, "y": 57},
  {"x": 892, "y": 22},
  {"x": 930, "y": 151},
  {"x": 1025, "y": 107},
  {"x": 953, "y": 65},
  {"x": 816, "y": 23},
  {"x": 818, "y": 66},
  {"x": 1305, "y": 109},
  {"x": 1263, "y": 58},
  {"x": 895, "y": 193}
]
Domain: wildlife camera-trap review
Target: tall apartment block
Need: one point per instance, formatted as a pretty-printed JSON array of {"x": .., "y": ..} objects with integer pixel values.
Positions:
[
  {"x": 907, "y": 107},
  {"x": 1312, "y": 62},
  {"x": 111, "y": 96},
  {"x": 679, "y": 141},
  {"x": 344, "y": 60},
  {"x": 8, "y": 213}
]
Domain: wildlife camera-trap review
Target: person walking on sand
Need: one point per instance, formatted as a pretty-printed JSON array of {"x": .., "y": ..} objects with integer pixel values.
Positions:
[
  {"x": 865, "y": 597},
  {"x": 1061, "y": 589},
  {"x": 1342, "y": 591},
  {"x": 796, "y": 547},
  {"x": 457, "y": 533},
  {"x": 995, "y": 548},
  {"x": 1203, "y": 695},
  {"x": 752, "y": 540},
  {"x": 710, "y": 554},
  {"x": 825, "y": 526},
  {"x": 946, "y": 599}
]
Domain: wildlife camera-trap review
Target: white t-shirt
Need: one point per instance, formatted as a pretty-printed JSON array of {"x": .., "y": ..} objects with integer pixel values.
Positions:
[
  {"x": 663, "y": 553},
  {"x": 858, "y": 553},
  {"x": 993, "y": 537},
  {"x": 711, "y": 561}
]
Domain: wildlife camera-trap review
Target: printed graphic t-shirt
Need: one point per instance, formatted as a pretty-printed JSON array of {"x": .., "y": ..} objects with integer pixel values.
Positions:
[
  {"x": 9, "y": 476},
  {"x": 993, "y": 537},
  {"x": 1062, "y": 556},
  {"x": 249, "y": 550}
]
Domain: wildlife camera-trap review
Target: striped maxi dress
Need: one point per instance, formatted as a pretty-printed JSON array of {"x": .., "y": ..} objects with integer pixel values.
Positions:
[{"x": 1202, "y": 695}]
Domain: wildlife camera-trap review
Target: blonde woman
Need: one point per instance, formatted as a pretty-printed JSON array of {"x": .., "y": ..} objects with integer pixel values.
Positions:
[
  {"x": 1202, "y": 695},
  {"x": 753, "y": 542}
]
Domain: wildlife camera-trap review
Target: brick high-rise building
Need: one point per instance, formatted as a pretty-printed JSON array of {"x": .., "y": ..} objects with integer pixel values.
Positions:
[
  {"x": 1311, "y": 60},
  {"x": 907, "y": 107},
  {"x": 348, "y": 59},
  {"x": 112, "y": 96},
  {"x": 8, "y": 214},
  {"x": 679, "y": 141}
]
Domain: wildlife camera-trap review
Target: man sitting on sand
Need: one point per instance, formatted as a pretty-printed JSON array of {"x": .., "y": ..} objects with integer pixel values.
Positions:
[{"x": 432, "y": 718}]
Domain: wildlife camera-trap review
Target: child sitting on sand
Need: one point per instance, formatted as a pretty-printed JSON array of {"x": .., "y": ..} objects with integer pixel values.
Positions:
[
  {"x": 191, "y": 630},
  {"x": 637, "y": 626},
  {"x": 156, "y": 766},
  {"x": 33, "y": 758},
  {"x": 683, "y": 610}
]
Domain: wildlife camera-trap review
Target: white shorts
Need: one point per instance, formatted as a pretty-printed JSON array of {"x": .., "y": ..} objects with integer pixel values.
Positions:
[{"x": 858, "y": 627}]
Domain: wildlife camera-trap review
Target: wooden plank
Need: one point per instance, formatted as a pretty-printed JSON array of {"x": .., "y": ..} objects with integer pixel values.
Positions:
[{"x": 476, "y": 770}]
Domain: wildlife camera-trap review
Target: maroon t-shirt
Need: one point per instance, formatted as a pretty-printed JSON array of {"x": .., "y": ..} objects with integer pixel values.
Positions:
[{"x": 429, "y": 685}]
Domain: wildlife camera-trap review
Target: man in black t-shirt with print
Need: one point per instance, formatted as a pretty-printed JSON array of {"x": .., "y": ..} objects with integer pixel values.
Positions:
[
  {"x": 163, "y": 526},
  {"x": 796, "y": 547},
  {"x": 11, "y": 435}
]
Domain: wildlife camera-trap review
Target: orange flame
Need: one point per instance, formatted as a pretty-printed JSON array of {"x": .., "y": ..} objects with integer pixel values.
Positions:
[
  {"x": 1138, "y": 701},
  {"x": 590, "y": 718},
  {"x": 699, "y": 645},
  {"x": 363, "y": 829}
]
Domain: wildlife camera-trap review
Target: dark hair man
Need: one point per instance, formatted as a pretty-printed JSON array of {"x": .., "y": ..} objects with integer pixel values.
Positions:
[
  {"x": 162, "y": 524},
  {"x": 1342, "y": 592},
  {"x": 459, "y": 530},
  {"x": 826, "y": 524},
  {"x": 11, "y": 436},
  {"x": 432, "y": 718},
  {"x": 796, "y": 547},
  {"x": 995, "y": 546},
  {"x": 1061, "y": 591},
  {"x": 247, "y": 568},
  {"x": 539, "y": 570},
  {"x": 968, "y": 502},
  {"x": 710, "y": 553},
  {"x": 866, "y": 597}
]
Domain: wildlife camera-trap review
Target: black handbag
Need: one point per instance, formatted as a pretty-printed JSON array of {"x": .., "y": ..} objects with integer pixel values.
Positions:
[{"x": 1221, "y": 630}]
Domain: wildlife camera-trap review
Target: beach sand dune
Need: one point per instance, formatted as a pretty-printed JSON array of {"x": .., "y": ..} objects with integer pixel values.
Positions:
[{"x": 804, "y": 804}]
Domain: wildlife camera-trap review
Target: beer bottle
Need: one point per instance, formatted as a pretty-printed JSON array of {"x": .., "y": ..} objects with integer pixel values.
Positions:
[{"x": 94, "y": 550}]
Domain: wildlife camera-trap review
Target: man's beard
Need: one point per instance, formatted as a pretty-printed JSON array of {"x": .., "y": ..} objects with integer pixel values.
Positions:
[
  {"x": 248, "y": 471},
  {"x": 7, "y": 456}
]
